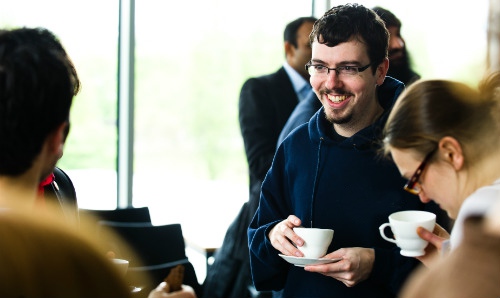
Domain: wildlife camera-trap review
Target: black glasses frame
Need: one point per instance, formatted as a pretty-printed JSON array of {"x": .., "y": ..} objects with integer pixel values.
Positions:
[
  {"x": 410, "y": 185},
  {"x": 338, "y": 69}
]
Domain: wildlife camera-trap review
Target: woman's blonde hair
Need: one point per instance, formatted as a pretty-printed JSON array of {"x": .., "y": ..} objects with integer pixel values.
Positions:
[
  {"x": 40, "y": 256},
  {"x": 432, "y": 109}
]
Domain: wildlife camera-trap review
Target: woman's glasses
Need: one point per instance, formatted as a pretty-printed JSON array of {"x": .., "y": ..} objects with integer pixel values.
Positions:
[{"x": 412, "y": 186}]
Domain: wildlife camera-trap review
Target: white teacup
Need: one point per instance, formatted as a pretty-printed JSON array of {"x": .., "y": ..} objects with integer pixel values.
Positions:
[
  {"x": 404, "y": 226},
  {"x": 121, "y": 265},
  {"x": 316, "y": 241}
]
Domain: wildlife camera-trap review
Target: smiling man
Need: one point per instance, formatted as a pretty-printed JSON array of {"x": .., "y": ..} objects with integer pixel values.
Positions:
[
  {"x": 328, "y": 174},
  {"x": 399, "y": 68}
]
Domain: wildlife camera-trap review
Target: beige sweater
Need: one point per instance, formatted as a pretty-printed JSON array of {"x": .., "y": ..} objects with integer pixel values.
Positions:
[{"x": 471, "y": 270}]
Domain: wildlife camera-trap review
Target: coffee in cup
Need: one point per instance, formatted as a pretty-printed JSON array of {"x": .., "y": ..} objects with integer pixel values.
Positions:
[
  {"x": 404, "y": 226},
  {"x": 121, "y": 265},
  {"x": 316, "y": 241}
]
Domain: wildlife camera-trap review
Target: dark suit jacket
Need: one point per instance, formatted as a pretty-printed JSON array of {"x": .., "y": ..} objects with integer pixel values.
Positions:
[
  {"x": 265, "y": 104},
  {"x": 300, "y": 115}
]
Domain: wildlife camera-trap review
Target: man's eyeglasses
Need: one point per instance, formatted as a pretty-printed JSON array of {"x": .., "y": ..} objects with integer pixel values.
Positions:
[
  {"x": 321, "y": 70},
  {"x": 412, "y": 186}
]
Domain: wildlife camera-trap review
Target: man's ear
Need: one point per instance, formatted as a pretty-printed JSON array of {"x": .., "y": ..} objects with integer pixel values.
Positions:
[
  {"x": 57, "y": 138},
  {"x": 381, "y": 71},
  {"x": 289, "y": 49},
  {"x": 451, "y": 151}
]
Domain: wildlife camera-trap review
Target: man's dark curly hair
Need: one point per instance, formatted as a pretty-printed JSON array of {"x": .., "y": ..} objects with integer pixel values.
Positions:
[{"x": 345, "y": 22}]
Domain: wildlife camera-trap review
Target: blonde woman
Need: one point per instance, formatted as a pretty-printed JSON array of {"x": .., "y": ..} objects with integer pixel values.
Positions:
[{"x": 444, "y": 137}]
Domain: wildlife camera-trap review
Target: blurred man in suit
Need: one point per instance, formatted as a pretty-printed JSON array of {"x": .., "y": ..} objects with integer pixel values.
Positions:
[
  {"x": 265, "y": 104},
  {"x": 267, "y": 101}
]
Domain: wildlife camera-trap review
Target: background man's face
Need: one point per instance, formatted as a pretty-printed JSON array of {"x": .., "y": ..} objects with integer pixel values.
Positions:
[
  {"x": 397, "y": 49},
  {"x": 300, "y": 55}
]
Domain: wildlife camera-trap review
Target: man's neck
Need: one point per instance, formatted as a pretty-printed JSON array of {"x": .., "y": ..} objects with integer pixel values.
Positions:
[{"x": 18, "y": 190}]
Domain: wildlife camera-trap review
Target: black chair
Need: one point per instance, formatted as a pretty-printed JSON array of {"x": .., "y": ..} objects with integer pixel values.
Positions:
[
  {"x": 131, "y": 214},
  {"x": 62, "y": 191},
  {"x": 156, "y": 250}
]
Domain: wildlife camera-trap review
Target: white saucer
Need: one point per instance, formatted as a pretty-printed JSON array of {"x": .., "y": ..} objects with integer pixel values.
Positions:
[{"x": 301, "y": 262}]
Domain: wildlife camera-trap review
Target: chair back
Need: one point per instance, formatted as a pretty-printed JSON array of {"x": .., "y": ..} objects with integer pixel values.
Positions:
[
  {"x": 157, "y": 248},
  {"x": 131, "y": 214},
  {"x": 62, "y": 191}
]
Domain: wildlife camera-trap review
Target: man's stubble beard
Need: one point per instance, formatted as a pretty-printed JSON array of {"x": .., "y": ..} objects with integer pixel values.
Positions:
[{"x": 338, "y": 120}]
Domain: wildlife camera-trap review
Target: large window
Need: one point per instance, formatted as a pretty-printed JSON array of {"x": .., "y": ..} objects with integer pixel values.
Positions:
[
  {"x": 191, "y": 60},
  {"x": 446, "y": 38}
]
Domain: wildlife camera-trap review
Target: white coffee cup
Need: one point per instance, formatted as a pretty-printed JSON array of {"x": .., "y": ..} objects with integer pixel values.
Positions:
[
  {"x": 121, "y": 265},
  {"x": 404, "y": 226},
  {"x": 316, "y": 241}
]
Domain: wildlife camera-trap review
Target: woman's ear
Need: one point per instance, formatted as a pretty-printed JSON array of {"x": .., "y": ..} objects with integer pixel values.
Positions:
[{"x": 451, "y": 151}]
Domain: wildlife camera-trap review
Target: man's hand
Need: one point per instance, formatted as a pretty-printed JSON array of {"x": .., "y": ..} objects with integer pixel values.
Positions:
[
  {"x": 356, "y": 265},
  {"x": 162, "y": 291},
  {"x": 283, "y": 237}
]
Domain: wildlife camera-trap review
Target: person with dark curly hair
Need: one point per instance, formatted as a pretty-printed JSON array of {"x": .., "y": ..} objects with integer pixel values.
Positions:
[
  {"x": 328, "y": 173},
  {"x": 399, "y": 68}
]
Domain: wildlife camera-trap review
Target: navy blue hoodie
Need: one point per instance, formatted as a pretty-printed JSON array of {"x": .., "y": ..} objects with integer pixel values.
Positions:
[{"x": 343, "y": 185}]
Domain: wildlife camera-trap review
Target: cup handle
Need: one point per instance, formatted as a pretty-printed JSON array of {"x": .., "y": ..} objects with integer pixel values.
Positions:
[{"x": 382, "y": 232}]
